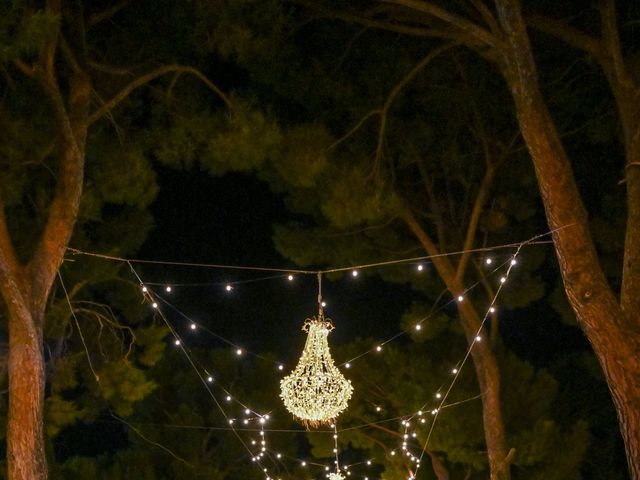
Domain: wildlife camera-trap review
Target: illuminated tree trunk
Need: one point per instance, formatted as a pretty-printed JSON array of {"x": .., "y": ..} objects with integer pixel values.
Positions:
[
  {"x": 25, "y": 437},
  {"x": 611, "y": 325}
]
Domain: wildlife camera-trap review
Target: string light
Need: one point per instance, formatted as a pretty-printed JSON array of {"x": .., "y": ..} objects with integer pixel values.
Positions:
[
  {"x": 228, "y": 287},
  {"x": 290, "y": 277},
  {"x": 168, "y": 289},
  {"x": 460, "y": 298},
  {"x": 354, "y": 273},
  {"x": 420, "y": 267},
  {"x": 239, "y": 352},
  {"x": 488, "y": 261},
  {"x": 193, "y": 326}
]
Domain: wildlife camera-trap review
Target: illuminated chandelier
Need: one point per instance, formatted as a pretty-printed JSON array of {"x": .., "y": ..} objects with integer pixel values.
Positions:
[{"x": 316, "y": 392}]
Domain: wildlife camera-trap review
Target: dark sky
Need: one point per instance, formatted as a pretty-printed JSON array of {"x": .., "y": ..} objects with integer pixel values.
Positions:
[{"x": 229, "y": 220}]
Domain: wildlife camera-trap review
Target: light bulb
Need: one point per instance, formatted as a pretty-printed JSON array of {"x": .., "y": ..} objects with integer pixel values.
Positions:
[
  {"x": 354, "y": 273},
  {"x": 193, "y": 326},
  {"x": 420, "y": 267},
  {"x": 488, "y": 261},
  {"x": 460, "y": 298},
  {"x": 168, "y": 289},
  {"x": 290, "y": 278},
  {"x": 228, "y": 288}
]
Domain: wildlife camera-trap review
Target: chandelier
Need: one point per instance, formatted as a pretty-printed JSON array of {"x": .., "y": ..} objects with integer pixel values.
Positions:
[{"x": 316, "y": 392}]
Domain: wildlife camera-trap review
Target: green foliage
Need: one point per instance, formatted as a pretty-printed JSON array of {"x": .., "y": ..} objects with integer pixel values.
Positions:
[{"x": 23, "y": 30}]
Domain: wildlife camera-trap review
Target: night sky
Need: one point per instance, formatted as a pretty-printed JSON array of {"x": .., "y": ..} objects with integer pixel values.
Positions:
[{"x": 229, "y": 220}]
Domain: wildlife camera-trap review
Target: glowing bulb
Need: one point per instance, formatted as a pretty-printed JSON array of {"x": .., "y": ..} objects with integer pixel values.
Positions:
[
  {"x": 347, "y": 365},
  {"x": 438, "y": 395},
  {"x": 354, "y": 273},
  {"x": 154, "y": 305},
  {"x": 168, "y": 289},
  {"x": 378, "y": 409},
  {"x": 210, "y": 379},
  {"x": 177, "y": 342},
  {"x": 247, "y": 411},
  {"x": 454, "y": 371},
  {"x": 193, "y": 326},
  {"x": 488, "y": 261},
  {"x": 478, "y": 338},
  {"x": 279, "y": 455},
  {"x": 513, "y": 262},
  {"x": 379, "y": 348},
  {"x": 145, "y": 289},
  {"x": 290, "y": 278},
  {"x": 418, "y": 326},
  {"x": 393, "y": 452},
  {"x": 420, "y": 267},
  {"x": 303, "y": 463},
  {"x": 280, "y": 367},
  {"x": 231, "y": 422},
  {"x": 324, "y": 304},
  {"x": 228, "y": 398},
  {"x": 460, "y": 298},
  {"x": 503, "y": 279},
  {"x": 239, "y": 352}
]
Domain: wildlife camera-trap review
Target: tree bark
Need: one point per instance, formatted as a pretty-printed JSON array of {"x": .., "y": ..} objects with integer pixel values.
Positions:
[
  {"x": 484, "y": 359},
  {"x": 25, "y": 433},
  {"x": 613, "y": 332}
]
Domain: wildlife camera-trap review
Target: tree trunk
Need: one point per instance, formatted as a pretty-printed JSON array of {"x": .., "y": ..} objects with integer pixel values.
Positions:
[
  {"x": 613, "y": 332},
  {"x": 25, "y": 435},
  {"x": 483, "y": 357}
]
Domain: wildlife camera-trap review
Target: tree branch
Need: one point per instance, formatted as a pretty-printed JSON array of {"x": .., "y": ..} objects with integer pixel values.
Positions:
[
  {"x": 150, "y": 76},
  {"x": 469, "y": 28},
  {"x": 568, "y": 34},
  {"x": 107, "y": 14},
  {"x": 410, "y": 30},
  {"x": 395, "y": 91},
  {"x": 474, "y": 219}
]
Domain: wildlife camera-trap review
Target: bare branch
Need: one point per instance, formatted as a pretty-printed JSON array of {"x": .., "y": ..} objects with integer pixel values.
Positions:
[
  {"x": 28, "y": 70},
  {"x": 487, "y": 16},
  {"x": 568, "y": 34},
  {"x": 395, "y": 91},
  {"x": 611, "y": 40},
  {"x": 108, "y": 13},
  {"x": 150, "y": 76},
  {"x": 354, "y": 129},
  {"x": 474, "y": 219},
  {"x": 469, "y": 28},
  {"x": 410, "y": 30}
]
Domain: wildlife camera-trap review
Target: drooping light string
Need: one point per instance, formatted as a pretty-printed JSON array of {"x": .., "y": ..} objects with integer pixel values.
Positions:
[
  {"x": 456, "y": 370},
  {"x": 202, "y": 378},
  {"x": 168, "y": 289},
  {"x": 316, "y": 392}
]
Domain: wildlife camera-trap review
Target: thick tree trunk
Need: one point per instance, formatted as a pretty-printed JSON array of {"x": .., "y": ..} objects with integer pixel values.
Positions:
[
  {"x": 25, "y": 446},
  {"x": 613, "y": 332}
]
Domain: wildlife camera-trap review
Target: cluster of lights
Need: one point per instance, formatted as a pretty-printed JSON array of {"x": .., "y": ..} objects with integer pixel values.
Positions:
[
  {"x": 344, "y": 389},
  {"x": 316, "y": 392}
]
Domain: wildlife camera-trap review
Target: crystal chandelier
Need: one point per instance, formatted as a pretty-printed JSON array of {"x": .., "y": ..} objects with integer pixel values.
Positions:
[{"x": 316, "y": 392}]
